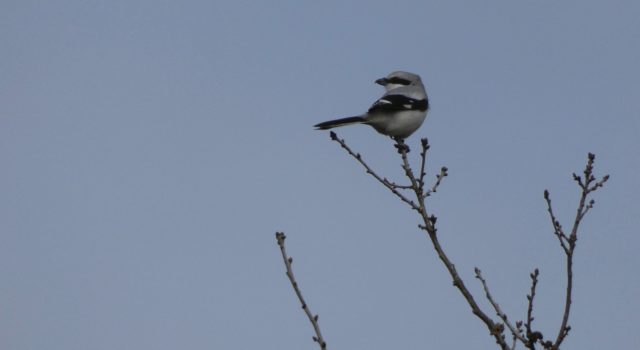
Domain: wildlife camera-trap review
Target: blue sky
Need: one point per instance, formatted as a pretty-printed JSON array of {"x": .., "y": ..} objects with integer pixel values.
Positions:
[{"x": 150, "y": 150}]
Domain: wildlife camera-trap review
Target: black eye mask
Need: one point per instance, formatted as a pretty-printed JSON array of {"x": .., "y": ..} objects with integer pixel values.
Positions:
[{"x": 400, "y": 81}]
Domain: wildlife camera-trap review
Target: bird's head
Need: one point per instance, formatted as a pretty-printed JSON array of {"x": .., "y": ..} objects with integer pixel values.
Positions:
[{"x": 399, "y": 79}]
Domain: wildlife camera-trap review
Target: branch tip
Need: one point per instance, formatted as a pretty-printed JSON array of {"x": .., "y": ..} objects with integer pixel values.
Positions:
[{"x": 425, "y": 143}]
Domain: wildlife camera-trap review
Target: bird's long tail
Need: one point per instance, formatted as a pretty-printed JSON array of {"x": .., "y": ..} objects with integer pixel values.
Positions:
[{"x": 338, "y": 122}]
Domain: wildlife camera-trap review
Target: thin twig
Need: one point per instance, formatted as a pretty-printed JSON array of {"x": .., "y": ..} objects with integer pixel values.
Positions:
[
  {"x": 599, "y": 183},
  {"x": 497, "y": 308},
  {"x": 532, "y": 336},
  {"x": 370, "y": 171},
  {"x": 423, "y": 159},
  {"x": 443, "y": 173},
  {"x": 280, "y": 237},
  {"x": 395, "y": 185},
  {"x": 557, "y": 228}
]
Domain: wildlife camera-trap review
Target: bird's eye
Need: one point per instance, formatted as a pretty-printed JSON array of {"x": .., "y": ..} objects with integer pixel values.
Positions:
[{"x": 400, "y": 81}]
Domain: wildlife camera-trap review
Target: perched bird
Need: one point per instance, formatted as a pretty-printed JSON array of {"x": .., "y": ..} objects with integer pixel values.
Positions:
[{"x": 398, "y": 113}]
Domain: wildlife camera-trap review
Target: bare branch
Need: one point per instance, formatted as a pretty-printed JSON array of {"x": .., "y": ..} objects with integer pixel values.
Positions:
[
  {"x": 588, "y": 184},
  {"x": 280, "y": 237},
  {"x": 515, "y": 332},
  {"x": 391, "y": 186},
  {"x": 429, "y": 221}
]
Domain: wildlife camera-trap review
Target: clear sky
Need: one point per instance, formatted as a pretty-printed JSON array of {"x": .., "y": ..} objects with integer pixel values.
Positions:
[{"x": 150, "y": 150}]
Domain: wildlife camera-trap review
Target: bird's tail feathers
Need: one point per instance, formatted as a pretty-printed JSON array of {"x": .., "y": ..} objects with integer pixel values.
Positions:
[{"x": 339, "y": 122}]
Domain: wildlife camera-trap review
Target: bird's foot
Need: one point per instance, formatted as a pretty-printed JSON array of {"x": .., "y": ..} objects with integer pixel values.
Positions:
[{"x": 401, "y": 146}]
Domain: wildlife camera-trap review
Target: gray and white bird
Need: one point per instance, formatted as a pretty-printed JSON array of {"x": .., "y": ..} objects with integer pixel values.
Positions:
[{"x": 398, "y": 113}]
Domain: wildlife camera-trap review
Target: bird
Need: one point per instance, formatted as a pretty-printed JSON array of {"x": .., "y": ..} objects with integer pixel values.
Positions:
[{"x": 398, "y": 113}]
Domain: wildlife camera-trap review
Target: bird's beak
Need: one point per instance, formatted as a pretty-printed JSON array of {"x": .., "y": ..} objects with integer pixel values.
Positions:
[{"x": 382, "y": 81}]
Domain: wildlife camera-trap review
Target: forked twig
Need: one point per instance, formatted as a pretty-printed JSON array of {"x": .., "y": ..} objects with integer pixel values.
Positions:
[{"x": 588, "y": 184}]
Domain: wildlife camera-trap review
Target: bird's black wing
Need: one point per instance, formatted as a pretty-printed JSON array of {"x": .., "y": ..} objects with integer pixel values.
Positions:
[{"x": 395, "y": 103}]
